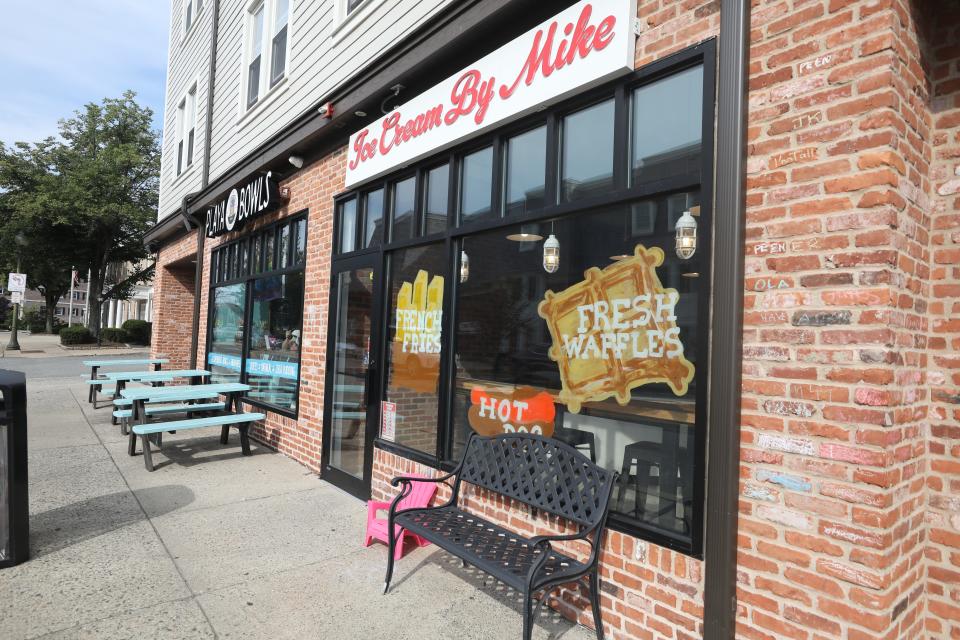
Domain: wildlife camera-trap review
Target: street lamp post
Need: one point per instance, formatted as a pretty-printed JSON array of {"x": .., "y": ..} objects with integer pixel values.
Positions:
[{"x": 14, "y": 344}]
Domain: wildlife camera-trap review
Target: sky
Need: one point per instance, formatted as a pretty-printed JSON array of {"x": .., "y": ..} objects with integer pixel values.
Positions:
[{"x": 58, "y": 55}]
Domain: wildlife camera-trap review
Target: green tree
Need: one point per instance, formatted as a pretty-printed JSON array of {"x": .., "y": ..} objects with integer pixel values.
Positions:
[
  {"x": 28, "y": 207},
  {"x": 93, "y": 194},
  {"x": 111, "y": 169}
]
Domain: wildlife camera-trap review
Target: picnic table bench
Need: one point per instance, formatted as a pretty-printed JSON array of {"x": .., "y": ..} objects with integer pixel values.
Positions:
[
  {"x": 542, "y": 473},
  {"x": 156, "y": 396},
  {"x": 95, "y": 365},
  {"x": 121, "y": 378}
]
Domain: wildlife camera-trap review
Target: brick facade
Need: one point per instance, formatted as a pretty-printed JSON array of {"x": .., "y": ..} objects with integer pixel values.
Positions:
[{"x": 849, "y": 522}]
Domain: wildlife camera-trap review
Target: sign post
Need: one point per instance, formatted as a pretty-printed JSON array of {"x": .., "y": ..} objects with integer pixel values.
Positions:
[{"x": 17, "y": 284}]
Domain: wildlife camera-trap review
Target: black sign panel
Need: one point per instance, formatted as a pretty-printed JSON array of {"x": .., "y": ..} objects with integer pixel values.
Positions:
[{"x": 260, "y": 195}]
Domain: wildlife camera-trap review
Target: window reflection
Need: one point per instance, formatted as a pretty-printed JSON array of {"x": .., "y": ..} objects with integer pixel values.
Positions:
[
  {"x": 273, "y": 363},
  {"x": 666, "y": 139},
  {"x": 587, "y": 152},
  {"x": 348, "y": 231},
  {"x": 476, "y": 184},
  {"x": 524, "y": 171},
  {"x": 414, "y": 343},
  {"x": 373, "y": 224},
  {"x": 437, "y": 188},
  {"x": 226, "y": 333},
  {"x": 505, "y": 352},
  {"x": 404, "y": 209}
]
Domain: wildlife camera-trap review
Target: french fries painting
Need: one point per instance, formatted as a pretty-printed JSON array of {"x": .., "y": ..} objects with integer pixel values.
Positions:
[
  {"x": 416, "y": 344},
  {"x": 615, "y": 331}
]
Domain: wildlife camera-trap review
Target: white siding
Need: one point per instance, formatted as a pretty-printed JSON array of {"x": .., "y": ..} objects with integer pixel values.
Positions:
[
  {"x": 188, "y": 62},
  {"x": 321, "y": 58}
]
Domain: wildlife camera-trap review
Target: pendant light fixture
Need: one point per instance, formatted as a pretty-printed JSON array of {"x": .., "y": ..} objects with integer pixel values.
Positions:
[
  {"x": 464, "y": 264},
  {"x": 551, "y": 253},
  {"x": 686, "y": 236}
]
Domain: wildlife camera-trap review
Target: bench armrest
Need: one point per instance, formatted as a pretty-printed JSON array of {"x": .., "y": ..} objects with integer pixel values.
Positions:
[
  {"x": 408, "y": 479},
  {"x": 536, "y": 541}
]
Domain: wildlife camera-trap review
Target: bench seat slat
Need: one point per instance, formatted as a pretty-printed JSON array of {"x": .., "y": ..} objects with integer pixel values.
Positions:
[
  {"x": 181, "y": 408},
  {"x": 500, "y": 552},
  {"x": 197, "y": 423},
  {"x": 123, "y": 413}
]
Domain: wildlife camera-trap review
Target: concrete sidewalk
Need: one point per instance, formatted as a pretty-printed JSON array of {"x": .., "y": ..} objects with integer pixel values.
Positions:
[
  {"x": 213, "y": 544},
  {"x": 45, "y": 345}
]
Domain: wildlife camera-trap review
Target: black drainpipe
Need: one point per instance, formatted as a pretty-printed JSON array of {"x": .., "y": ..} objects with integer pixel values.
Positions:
[
  {"x": 723, "y": 447},
  {"x": 201, "y": 236}
]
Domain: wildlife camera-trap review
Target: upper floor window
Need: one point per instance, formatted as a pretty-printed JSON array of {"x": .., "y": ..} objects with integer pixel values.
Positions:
[
  {"x": 353, "y": 4},
  {"x": 186, "y": 126},
  {"x": 256, "y": 54},
  {"x": 266, "y": 62},
  {"x": 191, "y": 11},
  {"x": 278, "y": 50}
]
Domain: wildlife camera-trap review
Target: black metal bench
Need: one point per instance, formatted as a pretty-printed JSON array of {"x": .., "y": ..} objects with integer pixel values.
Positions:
[{"x": 543, "y": 473}]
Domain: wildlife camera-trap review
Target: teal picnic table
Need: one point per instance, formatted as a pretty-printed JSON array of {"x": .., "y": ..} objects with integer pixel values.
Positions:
[
  {"x": 121, "y": 378},
  {"x": 96, "y": 365},
  {"x": 183, "y": 393},
  {"x": 140, "y": 396}
]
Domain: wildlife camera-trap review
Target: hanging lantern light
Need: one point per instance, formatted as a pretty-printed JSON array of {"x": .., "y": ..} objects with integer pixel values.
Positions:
[
  {"x": 686, "y": 236},
  {"x": 551, "y": 254},
  {"x": 464, "y": 266}
]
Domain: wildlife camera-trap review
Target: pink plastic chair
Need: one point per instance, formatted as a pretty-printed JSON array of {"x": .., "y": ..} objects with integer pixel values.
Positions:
[{"x": 420, "y": 496}]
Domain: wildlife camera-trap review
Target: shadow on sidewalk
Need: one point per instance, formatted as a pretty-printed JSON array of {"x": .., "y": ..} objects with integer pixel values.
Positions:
[
  {"x": 71, "y": 524},
  {"x": 548, "y": 619}
]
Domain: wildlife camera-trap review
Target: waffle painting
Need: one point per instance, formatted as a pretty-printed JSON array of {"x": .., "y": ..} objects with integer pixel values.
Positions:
[{"x": 616, "y": 330}]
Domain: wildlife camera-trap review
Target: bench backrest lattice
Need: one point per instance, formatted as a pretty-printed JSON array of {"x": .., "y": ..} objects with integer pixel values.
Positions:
[{"x": 543, "y": 473}]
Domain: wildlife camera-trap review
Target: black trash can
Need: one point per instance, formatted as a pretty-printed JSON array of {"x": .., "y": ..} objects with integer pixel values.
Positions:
[{"x": 14, "y": 512}]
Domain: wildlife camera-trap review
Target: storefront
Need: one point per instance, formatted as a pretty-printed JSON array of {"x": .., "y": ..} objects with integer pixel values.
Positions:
[
  {"x": 531, "y": 279},
  {"x": 588, "y": 226}
]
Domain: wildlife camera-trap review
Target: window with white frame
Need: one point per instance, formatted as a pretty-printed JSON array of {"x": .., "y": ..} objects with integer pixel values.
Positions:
[
  {"x": 256, "y": 54},
  {"x": 186, "y": 129},
  {"x": 267, "y": 47},
  {"x": 278, "y": 48},
  {"x": 191, "y": 125},
  {"x": 353, "y": 4},
  {"x": 191, "y": 11}
]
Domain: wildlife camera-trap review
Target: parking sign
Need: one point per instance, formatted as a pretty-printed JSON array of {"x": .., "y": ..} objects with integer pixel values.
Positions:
[{"x": 17, "y": 282}]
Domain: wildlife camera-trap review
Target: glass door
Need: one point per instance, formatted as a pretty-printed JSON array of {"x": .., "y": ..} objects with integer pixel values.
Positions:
[{"x": 351, "y": 412}]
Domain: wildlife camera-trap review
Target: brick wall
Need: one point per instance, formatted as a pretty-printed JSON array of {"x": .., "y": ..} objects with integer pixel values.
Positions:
[
  {"x": 943, "y": 481},
  {"x": 173, "y": 300},
  {"x": 313, "y": 189}
]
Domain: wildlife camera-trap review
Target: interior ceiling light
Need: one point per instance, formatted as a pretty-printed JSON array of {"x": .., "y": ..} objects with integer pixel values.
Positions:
[
  {"x": 360, "y": 114},
  {"x": 686, "y": 230},
  {"x": 551, "y": 253},
  {"x": 528, "y": 233},
  {"x": 525, "y": 237},
  {"x": 690, "y": 274},
  {"x": 622, "y": 256}
]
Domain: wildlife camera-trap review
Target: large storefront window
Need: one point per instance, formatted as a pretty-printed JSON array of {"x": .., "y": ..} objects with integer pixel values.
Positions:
[
  {"x": 557, "y": 302},
  {"x": 415, "y": 337},
  {"x": 601, "y": 354},
  {"x": 256, "y": 313},
  {"x": 226, "y": 333}
]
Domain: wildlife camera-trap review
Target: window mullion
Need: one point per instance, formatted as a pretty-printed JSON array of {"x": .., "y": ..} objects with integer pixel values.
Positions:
[{"x": 621, "y": 137}]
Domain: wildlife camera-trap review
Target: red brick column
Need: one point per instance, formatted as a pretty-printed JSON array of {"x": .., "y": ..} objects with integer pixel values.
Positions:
[
  {"x": 173, "y": 299},
  {"x": 943, "y": 481},
  {"x": 832, "y": 510}
]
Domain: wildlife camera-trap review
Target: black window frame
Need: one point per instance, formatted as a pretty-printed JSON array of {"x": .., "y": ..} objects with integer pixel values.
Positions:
[
  {"x": 458, "y": 230},
  {"x": 220, "y": 269}
]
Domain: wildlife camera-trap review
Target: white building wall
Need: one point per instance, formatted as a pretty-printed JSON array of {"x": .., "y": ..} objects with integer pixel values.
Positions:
[
  {"x": 325, "y": 50},
  {"x": 188, "y": 62}
]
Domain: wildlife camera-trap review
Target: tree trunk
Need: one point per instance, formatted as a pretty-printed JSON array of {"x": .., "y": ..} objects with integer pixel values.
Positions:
[
  {"x": 96, "y": 289},
  {"x": 51, "y": 301}
]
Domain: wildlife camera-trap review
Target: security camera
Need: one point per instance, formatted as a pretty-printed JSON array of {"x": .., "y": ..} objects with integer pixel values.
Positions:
[
  {"x": 296, "y": 161},
  {"x": 326, "y": 110}
]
